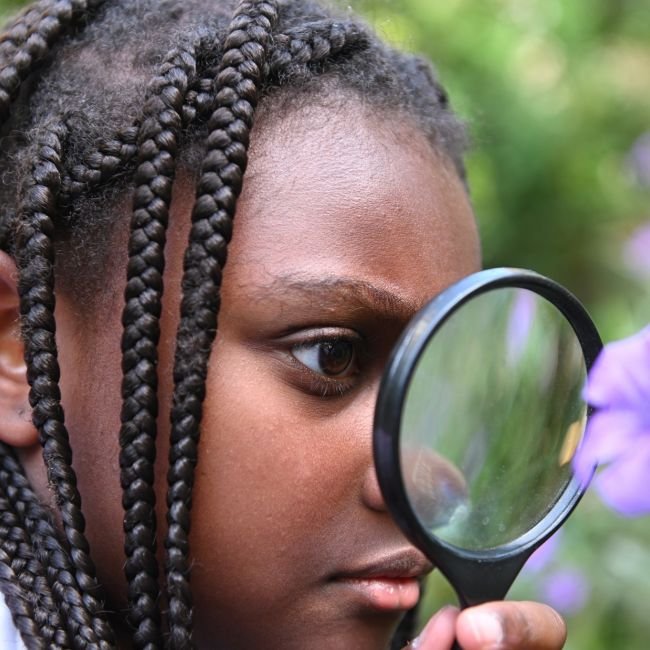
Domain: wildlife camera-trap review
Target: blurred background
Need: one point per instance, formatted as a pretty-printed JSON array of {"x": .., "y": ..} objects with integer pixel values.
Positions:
[{"x": 556, "y": 95}]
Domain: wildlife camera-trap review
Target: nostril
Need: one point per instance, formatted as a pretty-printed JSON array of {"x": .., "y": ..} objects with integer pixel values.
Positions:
[{"x": 436, "y": 488}]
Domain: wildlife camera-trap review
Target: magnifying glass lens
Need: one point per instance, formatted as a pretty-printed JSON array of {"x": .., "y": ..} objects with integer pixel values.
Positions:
[{"x": 492, "y": 416}]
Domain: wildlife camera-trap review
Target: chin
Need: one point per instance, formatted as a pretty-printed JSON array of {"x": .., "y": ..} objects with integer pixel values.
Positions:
[{"x": 369, "y": 631}]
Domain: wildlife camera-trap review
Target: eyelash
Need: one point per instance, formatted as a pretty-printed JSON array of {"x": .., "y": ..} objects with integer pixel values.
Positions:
[{"x": 319, "y": 383}]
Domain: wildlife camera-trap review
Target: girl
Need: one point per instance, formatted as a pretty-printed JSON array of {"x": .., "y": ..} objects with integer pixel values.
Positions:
[{"x": 127, "y": 126}]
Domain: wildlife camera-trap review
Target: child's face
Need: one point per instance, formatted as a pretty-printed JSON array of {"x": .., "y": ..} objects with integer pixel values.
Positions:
[{"x": 343, "y": 231}]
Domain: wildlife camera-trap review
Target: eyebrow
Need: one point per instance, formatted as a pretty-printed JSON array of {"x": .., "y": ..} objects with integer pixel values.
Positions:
[{"x": 350, "y": 293}]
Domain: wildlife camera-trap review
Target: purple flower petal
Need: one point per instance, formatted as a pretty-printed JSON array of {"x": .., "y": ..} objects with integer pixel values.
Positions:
[
  {"x": 639, "y": 159},
  {"x": 620, "y": 377},
  {"x": 625, "y": 484},
  {"x": 544, "y": 554},
  {"x": 610, "y": 434},
  {"x": 636, "y": 252},
  {"x": 567, "y": 591},
  {"x": 619, "y": 433}
]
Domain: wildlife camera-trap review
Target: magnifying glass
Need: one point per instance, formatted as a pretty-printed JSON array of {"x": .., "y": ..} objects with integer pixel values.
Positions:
[{"x": 479, "y": 415}]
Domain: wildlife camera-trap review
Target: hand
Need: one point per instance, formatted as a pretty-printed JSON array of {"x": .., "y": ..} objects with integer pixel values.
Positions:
[{"x": 494, "y": 626}]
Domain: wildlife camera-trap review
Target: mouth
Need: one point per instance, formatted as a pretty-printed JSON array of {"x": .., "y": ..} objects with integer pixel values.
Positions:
[{"x": 390, "y": 582}]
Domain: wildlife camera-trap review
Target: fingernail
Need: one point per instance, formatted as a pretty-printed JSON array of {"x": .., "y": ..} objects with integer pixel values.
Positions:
[{"x": 487, "y": 628}]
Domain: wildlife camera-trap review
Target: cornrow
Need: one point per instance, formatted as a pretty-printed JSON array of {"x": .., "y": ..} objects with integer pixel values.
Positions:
[
  {"x": 242, "y": 71},
  {"x": 36, "y": 291},
  {"x": 157, "y": 150}
]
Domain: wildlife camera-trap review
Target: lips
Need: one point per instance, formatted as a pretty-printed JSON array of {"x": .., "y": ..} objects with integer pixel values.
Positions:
[
  {"x": 408, "y": 563},
  {"x": 390, "y": 582}
]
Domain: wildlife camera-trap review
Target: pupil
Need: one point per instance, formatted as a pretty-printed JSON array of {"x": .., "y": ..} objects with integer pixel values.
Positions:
[{"x": 334, "y": 357}]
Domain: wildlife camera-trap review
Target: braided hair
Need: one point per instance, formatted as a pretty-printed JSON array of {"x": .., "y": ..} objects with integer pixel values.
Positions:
[{"x": 185, "y": 83}]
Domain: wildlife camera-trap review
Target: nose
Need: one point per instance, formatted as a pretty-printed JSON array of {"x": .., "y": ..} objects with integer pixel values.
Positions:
[
  {"x": 371, "y": 494},
  {"x": 435, "y": 487},
  {"x": 361, "y": 426},
  {"x": 370, "y": 491}
]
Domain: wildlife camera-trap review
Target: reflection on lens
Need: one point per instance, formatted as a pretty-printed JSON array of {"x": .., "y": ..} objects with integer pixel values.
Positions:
[
  {"x": 493, "y": 415},
  {"x": 520, "y": 322},
  {"x": 436, "y": 488},
  {"x": 572, "y": 439}
]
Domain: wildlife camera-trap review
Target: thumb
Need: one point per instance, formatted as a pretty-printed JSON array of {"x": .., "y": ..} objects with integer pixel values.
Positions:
[{"x": 439, "y": 633}]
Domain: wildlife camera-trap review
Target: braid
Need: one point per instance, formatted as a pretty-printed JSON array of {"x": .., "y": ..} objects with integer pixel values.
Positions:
[
  {"x": 16, "y": 32},
  {"x": 200, "y": 97},
  {"x": 20, "y": 582},
  {"x": 36, "y": 289},
  {"x": 29, "y": 580},
  {"x": 158, "y": 145},
  {"x": 111, "y": 154},
  {"x": 48, "y": 552},
  {"x": 29, "y": 41},
  {"x": 298, "y": 48},
  {"x": 19, "y": 606},
  {"x": 241, "y": 73}
]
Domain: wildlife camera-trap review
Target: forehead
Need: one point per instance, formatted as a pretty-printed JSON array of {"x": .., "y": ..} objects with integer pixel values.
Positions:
[{"x": 340, "y": 193}]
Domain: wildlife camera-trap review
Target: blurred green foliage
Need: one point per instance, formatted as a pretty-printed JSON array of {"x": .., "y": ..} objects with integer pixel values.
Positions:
[
  {"x": 555, "y": 93},
  {"x": 8, "y": 6}
]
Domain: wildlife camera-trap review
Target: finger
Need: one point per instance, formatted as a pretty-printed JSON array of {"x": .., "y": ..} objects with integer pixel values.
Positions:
[
  {"x": 438, "y": 633},
  {"x": 510, "y": 625}
]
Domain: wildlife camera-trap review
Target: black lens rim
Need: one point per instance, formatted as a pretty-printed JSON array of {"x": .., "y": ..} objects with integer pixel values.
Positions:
[{"x": 393, "y": 390}]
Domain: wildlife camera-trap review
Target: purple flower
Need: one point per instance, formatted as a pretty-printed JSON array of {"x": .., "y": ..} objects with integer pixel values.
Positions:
[
  {"x": 618, "y": 434},
  {"x": 540, "y": 559},
  {"x": 566, "y": 590},
  {"x": 636, "y": 252},
  {"x": 639, "y": 160}
]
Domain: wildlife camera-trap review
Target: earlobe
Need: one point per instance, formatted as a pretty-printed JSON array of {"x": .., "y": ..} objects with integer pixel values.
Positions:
[{"x": 16, "y": 426}]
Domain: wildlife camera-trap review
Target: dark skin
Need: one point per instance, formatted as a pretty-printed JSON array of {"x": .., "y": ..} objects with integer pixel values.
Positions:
[{"x": 342, "y": 233}]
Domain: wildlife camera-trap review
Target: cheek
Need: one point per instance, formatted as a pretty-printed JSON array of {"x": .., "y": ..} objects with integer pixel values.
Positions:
[
  {"x": 90, "y": 387},
  {"x": 276, "y": 482}
]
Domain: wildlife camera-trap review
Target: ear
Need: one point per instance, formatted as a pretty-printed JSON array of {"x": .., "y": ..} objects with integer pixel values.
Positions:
[{"x": 16, "y": 428}]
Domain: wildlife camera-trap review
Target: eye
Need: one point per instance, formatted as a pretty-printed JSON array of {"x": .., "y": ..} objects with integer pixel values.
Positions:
[{"x": 332, "y": 358}]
